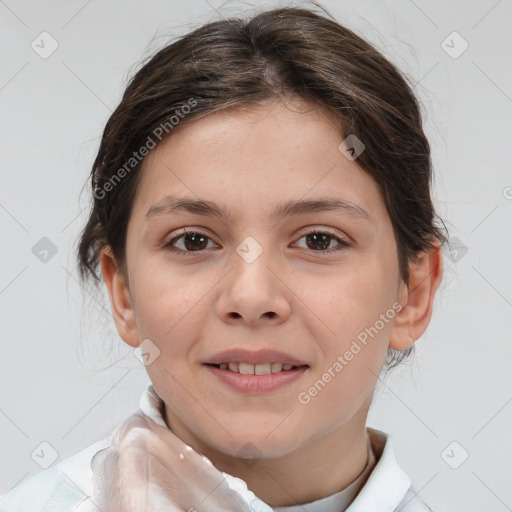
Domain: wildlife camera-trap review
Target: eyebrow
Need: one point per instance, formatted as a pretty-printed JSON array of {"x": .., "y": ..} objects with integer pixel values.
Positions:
[{"x": 171, "y": 204}]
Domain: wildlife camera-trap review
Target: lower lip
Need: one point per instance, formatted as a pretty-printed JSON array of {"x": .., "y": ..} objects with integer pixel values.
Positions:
[{"x": 256, "y": 384}]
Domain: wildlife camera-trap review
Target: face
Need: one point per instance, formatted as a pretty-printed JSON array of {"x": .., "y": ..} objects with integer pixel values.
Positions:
[{"x": 309, "y": 283}]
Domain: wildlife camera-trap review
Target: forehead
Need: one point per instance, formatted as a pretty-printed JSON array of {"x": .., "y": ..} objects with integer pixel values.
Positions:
[{"x": 248, "y": 159}]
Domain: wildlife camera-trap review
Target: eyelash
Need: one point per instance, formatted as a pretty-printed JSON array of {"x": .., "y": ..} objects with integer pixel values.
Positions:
[{"x": 180, "y": 252}]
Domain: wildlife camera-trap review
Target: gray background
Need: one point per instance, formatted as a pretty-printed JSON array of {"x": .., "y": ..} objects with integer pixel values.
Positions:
[{"x": 59, "y": 382}]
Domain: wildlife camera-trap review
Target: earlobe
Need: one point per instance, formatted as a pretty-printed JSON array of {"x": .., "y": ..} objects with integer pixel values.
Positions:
[
  {"x": 414, "y": 317},
  {"x": 120, "y": 298}
]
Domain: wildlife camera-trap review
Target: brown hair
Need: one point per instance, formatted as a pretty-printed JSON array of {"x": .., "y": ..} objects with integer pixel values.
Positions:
[{"x": 279, "y": 53}]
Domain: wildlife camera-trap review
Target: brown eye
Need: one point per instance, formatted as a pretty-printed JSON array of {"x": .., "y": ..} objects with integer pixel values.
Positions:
[
  {"x": 193, "y": 241},
  {"x": 320, "y": 241}
]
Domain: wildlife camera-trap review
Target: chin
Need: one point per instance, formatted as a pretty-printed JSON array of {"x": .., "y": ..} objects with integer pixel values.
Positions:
[{"x": 254, "y": 443}]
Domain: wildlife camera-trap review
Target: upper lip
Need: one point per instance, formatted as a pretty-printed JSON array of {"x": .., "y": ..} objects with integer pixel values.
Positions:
[{"x": 241, "y": 355}]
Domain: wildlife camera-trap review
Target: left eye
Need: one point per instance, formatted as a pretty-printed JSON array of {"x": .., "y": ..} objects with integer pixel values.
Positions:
[
  {"x": 322, "y": 240},
  {"x": 316, "y": 240}
]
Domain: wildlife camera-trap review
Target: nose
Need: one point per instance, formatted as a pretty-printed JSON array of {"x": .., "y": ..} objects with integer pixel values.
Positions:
[{"x": 254, "y": 292}]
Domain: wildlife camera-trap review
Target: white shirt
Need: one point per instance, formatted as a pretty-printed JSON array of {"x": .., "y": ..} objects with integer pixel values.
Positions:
[{"x": 65, "y": 487}]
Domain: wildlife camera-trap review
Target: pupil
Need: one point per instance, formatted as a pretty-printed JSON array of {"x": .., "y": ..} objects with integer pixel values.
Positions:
[
  {"x": 318, "y": 238},
  {"x": 195, "y": 237}
]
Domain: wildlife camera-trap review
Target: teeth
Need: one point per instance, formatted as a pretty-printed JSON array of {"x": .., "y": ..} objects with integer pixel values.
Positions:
[
  {"x": 276, "y": 367},
  {"x": 245, "y": 368},
  {"x": 255, "y": 369},
  {"x": 262, "y": 369}
]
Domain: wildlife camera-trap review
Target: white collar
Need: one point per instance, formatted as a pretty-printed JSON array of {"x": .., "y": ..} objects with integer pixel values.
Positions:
[{"x": 387, "y": 483}]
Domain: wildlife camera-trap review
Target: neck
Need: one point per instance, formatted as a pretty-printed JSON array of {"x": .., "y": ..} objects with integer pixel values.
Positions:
[{"x": 308, "y": 474}]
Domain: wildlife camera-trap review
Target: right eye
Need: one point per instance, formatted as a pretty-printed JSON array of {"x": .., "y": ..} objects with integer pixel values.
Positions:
[{"x": 193, "y": 241}]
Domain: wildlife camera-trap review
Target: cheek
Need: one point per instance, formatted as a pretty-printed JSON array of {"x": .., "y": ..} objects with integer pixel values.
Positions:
[
  {"x": 350, "y": 298},
  {"x": 357, "y": 318},
  {"x": 167, "y": 305}
]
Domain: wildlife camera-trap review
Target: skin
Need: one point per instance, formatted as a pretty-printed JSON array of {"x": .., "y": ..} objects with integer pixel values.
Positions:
[{"x": 196, "y": 304}]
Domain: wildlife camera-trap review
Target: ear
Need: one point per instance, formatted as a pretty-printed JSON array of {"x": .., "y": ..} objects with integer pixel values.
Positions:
[
  {"x": 120, "y": 298},
  {"x": 417, "y": 298}
]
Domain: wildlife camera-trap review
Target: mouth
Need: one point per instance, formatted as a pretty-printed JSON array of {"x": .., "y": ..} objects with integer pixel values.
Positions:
[
  {"x": 256, "y": 379},
  {"x": 256, "y": 369}
]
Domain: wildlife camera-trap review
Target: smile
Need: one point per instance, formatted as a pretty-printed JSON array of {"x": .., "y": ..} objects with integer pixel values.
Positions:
[
  {"x": 255, "y": 369},
  {"x": 256, "y": 379}
]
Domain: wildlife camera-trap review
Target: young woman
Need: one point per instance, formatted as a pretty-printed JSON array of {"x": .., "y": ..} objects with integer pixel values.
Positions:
[{"x": 262, "y": 220}]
